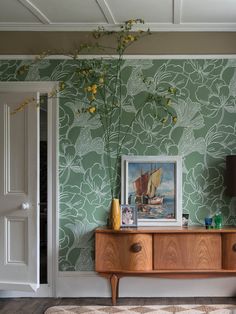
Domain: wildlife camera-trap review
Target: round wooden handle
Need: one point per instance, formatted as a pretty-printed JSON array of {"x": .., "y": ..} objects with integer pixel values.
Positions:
[
  {"x": 234, "y": 247},
  {"x": 136, "y": 247}
]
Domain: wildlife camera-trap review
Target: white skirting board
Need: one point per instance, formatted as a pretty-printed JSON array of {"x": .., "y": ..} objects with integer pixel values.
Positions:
[
  {"x": 89, "y": 284},
  {"x": 44, "y": 291},
  {"x": 93, "y": 285}
]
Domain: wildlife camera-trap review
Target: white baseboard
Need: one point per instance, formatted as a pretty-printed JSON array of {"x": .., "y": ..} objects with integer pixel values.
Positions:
[
  {"x": 44, "y": 291},
  {"x": 89, "y": 284},
  {"x": 82, "y": 284}
]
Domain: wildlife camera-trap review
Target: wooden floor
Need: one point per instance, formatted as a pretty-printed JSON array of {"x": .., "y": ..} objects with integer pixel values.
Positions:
[{"x": 39, "y": 305}]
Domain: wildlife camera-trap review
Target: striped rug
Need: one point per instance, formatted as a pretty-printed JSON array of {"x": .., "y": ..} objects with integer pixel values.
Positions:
[{"x": 147, "y": 309}]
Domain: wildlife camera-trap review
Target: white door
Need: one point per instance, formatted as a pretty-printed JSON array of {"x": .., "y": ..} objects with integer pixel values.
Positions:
[{"x": 19, "y": 214}]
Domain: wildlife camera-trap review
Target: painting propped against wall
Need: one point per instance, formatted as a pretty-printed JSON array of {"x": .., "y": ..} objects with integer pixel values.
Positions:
[{"x": 153, "y": 185}]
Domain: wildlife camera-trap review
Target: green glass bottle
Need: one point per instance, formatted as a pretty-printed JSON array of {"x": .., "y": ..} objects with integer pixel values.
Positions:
[{"x": 218, "y": 220}]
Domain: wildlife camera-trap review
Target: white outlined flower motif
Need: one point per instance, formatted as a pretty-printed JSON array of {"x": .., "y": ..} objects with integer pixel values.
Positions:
[
  {"x": 216, "y": 139},
  {"x": 188, "y": 114},
  {"x": 189, "y": 144},
  {"x": 202, "y": 187},
  {"x": 96, "y": 185},
  {"x": 72, "y": 203},
  {"x": 69, "y": 162},
  {"x": 81, "y": 249},
  {"x": 201, "y": 71},
  {"x": 86, "y": 144}
]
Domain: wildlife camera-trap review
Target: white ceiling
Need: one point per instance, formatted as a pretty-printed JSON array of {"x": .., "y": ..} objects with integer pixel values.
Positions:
[{"x": 85, "y": 15}]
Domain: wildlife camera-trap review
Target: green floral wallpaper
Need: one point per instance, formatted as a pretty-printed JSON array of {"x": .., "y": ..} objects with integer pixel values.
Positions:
[{"x": 203, "y": 135}]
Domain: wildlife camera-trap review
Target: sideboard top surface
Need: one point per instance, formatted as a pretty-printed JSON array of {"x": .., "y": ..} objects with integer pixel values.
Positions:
[{"x": 191, "y": 229}]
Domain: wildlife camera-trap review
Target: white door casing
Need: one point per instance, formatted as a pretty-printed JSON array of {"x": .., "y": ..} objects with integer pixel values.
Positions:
[
  {"x": 19, "y": 214},
  {"x": 9, "y": 287}
]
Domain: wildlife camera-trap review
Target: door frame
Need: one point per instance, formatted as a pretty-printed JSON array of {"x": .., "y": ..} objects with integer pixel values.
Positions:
[{"x": 49, "y": 289}]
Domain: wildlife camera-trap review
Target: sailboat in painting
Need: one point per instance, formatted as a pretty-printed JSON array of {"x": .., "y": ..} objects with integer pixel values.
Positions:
[{"x": 146, "y": 186}]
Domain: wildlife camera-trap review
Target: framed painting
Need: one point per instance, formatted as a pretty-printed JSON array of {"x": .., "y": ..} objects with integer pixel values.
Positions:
[{"x": 154, "y": 185}]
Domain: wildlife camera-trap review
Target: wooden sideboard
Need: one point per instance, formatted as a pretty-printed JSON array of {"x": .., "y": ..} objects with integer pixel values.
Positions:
[{"x": 172, "y": 252}]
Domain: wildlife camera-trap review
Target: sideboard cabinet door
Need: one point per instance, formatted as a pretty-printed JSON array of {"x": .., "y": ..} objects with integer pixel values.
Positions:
[
  {"x": 229, "y": 251},
  {"x": 123, "y": 252},
  {"x": 187, "y": 251}
]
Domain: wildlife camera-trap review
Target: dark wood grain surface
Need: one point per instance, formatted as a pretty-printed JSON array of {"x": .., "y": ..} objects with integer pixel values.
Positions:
[{"x": 39, "y": 305}]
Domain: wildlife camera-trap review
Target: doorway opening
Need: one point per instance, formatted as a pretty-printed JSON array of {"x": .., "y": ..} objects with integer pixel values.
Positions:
[{"x": 43, "y": 205}]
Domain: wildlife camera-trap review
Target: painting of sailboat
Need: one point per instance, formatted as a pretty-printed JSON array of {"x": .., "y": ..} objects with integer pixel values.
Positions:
[
  {"x": 151, "y": 186},
  {"x": 146, "y": 186}
]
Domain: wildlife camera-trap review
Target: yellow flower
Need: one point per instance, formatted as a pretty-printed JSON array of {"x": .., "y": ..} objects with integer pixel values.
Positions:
[
  {"x": 130, "y": 37},
  {"x": 94, "y": 89},
  {"x": 89, "y": 88},
  {"x": 92, "y": 109},
  {"x": 132, "y": 21},
  {"x": 174, "y": 119},
  {"x": 62, "y": 86}
]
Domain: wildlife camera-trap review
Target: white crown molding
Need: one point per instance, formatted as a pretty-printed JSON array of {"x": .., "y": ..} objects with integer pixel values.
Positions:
[
  {"x": 35, "y": 11},
  {"x": 154, "y": 27}
]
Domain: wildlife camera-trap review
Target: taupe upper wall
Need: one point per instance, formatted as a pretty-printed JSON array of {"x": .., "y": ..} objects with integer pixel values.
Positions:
[{"x": 21, "y": 43}]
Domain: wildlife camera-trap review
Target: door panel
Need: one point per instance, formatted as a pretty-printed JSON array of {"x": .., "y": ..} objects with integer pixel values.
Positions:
[
  {"x": 16, "y": 251},
  {"x": 19, "y": 215},
  {"x": 16, "y": 172}
]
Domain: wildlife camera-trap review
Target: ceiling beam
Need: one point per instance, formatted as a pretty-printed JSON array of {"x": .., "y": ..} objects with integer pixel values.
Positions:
[
  {"x": 106, "y": 11},
  {"x": 35, "y": 11},
  {"x": 177, "y": 11}
]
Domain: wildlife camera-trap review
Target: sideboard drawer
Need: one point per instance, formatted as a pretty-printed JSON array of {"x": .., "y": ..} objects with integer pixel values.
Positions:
[
  {"x": 187, "y": 252},
  {"x": 229, "y": 251},
  {"x": 123, "y": 252}
]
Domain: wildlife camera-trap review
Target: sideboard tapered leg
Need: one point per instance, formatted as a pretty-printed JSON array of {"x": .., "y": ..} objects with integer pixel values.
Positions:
[{"x": 114, "y": 279}]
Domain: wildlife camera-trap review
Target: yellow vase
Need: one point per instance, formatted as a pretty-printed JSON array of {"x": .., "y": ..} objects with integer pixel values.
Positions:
[{"x": 115, "y": 214}]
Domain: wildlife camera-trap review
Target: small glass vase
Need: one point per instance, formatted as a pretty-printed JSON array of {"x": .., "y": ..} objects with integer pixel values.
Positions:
[
  {"x": 115, "y": 214},
  {"x": 218, "y": 220}
]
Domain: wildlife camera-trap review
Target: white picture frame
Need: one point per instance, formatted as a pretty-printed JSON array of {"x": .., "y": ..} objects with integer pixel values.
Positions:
[{"x": 154, "y": 185}]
